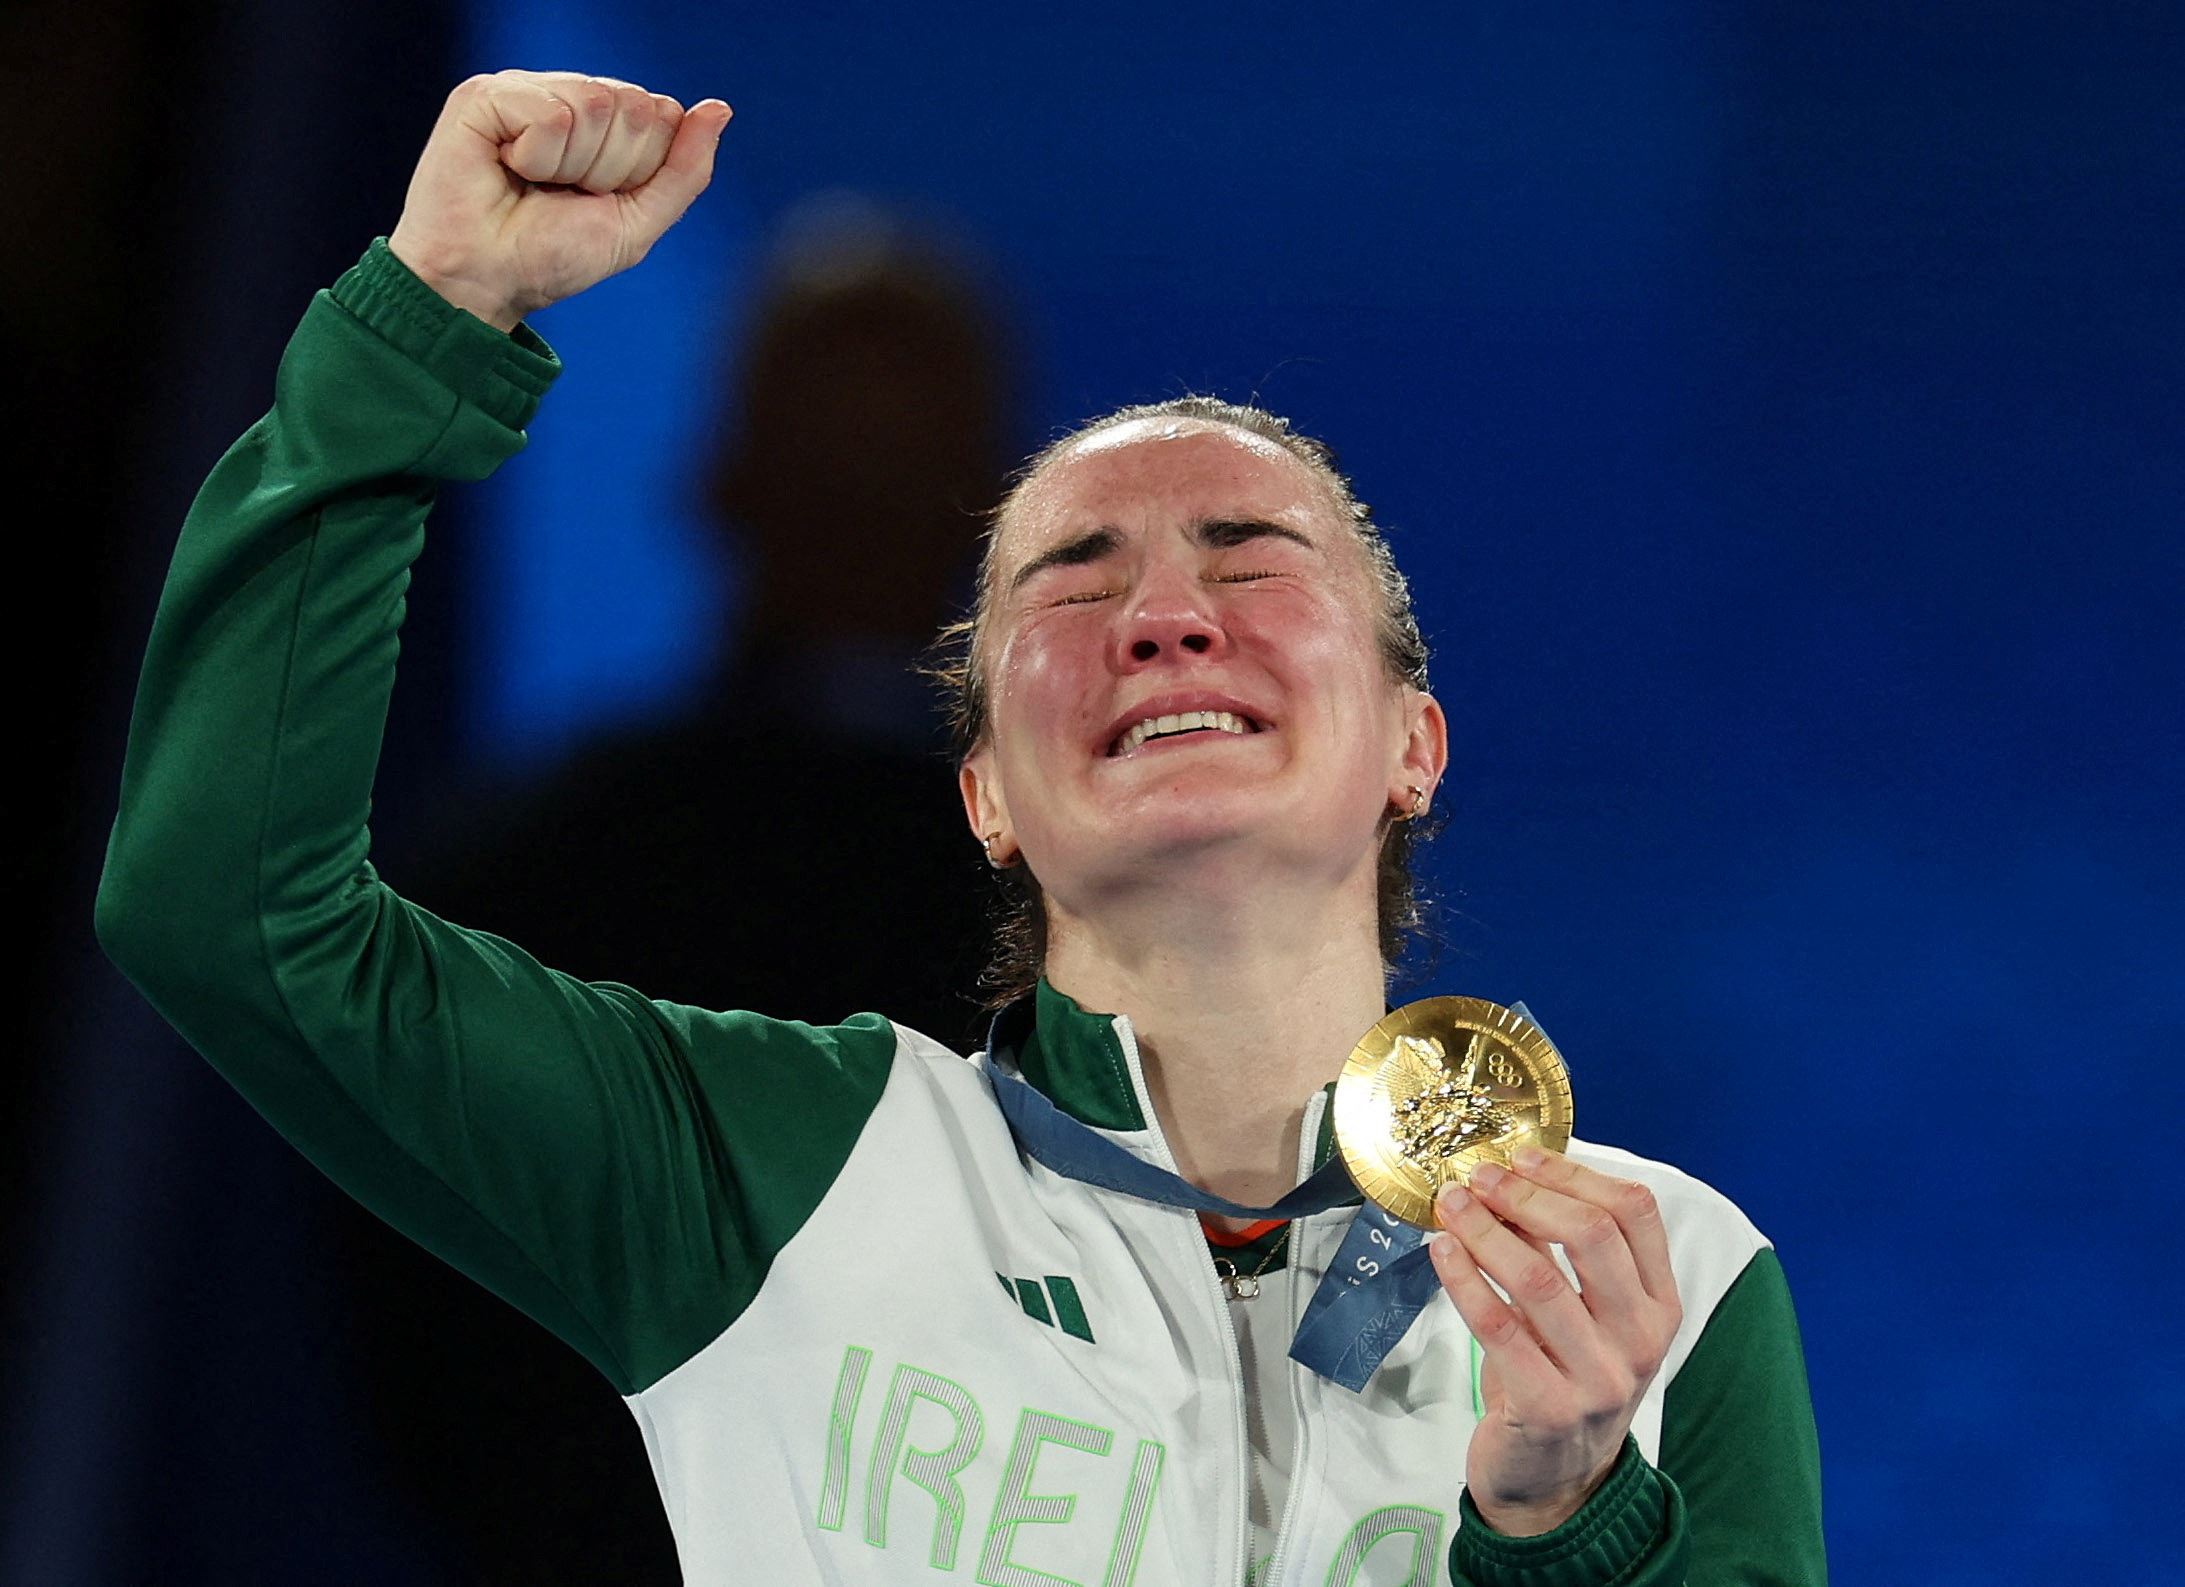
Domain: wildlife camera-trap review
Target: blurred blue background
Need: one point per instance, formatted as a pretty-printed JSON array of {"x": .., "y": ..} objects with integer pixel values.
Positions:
[{"x": 1778, "y": 411}]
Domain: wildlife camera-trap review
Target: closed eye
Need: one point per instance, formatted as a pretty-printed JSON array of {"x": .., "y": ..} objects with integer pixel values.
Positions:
[
  {"x": 1246, "y": 577},
  {"x": 1082, "y": 598}
]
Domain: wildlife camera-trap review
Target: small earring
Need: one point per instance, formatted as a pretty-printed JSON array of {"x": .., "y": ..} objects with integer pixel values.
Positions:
[
  {"x": 1418, "y": 803},
  {"x": 987, "y": 843}
]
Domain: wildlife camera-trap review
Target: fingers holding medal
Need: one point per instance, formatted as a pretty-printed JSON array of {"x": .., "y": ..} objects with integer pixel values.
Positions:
[
  {"x": 1453, "y": 1114},
  {"x": 1563, "y": 1366}
]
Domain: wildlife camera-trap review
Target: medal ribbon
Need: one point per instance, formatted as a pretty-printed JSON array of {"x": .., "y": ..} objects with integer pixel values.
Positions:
[
  {"x": 1381, "y": 1278},
  {"x": 1380, "y": 1281}
]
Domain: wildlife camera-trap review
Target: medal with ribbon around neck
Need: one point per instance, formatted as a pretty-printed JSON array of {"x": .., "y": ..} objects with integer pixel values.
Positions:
[{"x": 1435, "y": 1088}]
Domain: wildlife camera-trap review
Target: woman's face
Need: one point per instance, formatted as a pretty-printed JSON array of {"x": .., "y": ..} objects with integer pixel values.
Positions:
[{"x": 1180, "y": 572}]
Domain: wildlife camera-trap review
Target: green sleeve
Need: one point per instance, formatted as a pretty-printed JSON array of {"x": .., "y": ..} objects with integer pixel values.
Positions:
[
  {"x": 580, "y": 1150},
  {"x": 1738, "y": 1437},
  {"x": 1632, "y": 1532},
  {"x": 1736, "y": 1501}
]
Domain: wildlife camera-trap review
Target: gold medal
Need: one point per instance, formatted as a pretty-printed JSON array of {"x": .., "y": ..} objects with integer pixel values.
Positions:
[{"x": 1439, "y": 1087}]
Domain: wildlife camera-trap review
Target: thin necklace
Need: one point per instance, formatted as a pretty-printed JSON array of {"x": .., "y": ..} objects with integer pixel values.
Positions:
[{"x": 1245, "y": 1286}]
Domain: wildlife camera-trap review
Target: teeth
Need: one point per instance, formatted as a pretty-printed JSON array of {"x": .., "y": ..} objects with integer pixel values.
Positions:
[{"x": 1181, "y": 722}]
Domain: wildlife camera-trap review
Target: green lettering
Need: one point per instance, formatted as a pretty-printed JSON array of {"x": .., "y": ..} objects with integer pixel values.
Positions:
[
  {"x": 849, "y": 1385},
  {"x": 934, "y": 1470},
  {"x": 1130, "y": 1531},
  {"x": 1421, "y": 1525},
  {"x": 1016, "y": 1505}
]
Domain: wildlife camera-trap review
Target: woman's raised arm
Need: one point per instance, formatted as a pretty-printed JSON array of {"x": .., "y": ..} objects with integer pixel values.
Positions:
[{"x": 576, "y": 1147}]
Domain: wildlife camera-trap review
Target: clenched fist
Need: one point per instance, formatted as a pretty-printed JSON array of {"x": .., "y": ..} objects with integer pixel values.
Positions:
[{"x": 535, "y": 185}]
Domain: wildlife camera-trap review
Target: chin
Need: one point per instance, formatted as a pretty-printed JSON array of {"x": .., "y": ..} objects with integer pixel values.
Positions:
[{"x": 1178, "y": 829}]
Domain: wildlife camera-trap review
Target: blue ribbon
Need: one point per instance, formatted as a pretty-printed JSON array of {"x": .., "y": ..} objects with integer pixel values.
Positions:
[
  {"x": 1075, "y": 1151},
  {"x": 1380, "y": 1281},
  {"x": 1367, "y": 1301}
]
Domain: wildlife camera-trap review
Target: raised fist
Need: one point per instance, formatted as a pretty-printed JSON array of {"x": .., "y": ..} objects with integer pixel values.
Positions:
[{"x": 535, "y": 185}]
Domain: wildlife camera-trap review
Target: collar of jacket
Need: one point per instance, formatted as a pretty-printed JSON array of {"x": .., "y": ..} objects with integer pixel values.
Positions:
[
  {"x": 1076, "y": 1057},
  {"x": 1079, "y": 1060}
]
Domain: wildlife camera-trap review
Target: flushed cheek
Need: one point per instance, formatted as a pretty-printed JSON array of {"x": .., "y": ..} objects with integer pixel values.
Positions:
[
  {"x": 1039, "y": 690},
  {"x": 1317, "y": 658}
]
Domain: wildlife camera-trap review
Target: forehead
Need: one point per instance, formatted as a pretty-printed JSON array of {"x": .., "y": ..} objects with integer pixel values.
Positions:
[{"x": 1164, "y": 467}]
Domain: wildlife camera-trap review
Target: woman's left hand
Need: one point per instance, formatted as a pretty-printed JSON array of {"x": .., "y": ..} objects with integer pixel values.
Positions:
[{"x": 1563, "y": 1367}]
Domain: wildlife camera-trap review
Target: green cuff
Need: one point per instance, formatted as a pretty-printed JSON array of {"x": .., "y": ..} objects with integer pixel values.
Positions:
[
  {"x": 1630, "y": 1533},
  {"x": 503, "y": 376}
]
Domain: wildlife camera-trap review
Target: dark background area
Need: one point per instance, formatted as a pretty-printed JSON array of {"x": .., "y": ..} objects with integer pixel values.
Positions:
[{"x": 1777, "y": 408}]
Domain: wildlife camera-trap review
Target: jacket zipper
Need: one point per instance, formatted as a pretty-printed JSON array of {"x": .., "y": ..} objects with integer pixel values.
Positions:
[
  {"x": 1277, "y": 1561},
  {"x": 1242, "y": 1442}
]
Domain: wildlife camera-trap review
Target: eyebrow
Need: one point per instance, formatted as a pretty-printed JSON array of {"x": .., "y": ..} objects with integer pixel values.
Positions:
[
  {"x": 1071, "y": 553},
  {"x": 1214, "y": 533},
  {"x": 1223, "y": 532}
]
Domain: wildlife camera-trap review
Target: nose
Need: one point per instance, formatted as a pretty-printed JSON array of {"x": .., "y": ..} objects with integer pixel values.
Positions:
[{"x": 1169, "y": 617}]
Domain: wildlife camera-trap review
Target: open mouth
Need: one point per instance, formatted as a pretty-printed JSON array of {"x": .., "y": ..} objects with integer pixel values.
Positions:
[{"x": 1151, "y": 728}]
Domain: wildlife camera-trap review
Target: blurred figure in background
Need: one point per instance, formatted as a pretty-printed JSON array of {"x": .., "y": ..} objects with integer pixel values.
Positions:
[
  {"x": 869, "y": 434},
  {"x": 868, "y": 439}
]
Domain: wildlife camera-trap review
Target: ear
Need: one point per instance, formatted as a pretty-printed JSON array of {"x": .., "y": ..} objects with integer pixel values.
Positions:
[
  {"x": 984, "y": 806},
  {"x": 1425, "y": 752}
]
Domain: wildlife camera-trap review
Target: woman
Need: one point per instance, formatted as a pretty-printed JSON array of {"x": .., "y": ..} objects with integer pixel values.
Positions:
[{"x": 868, "y": 1322}]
